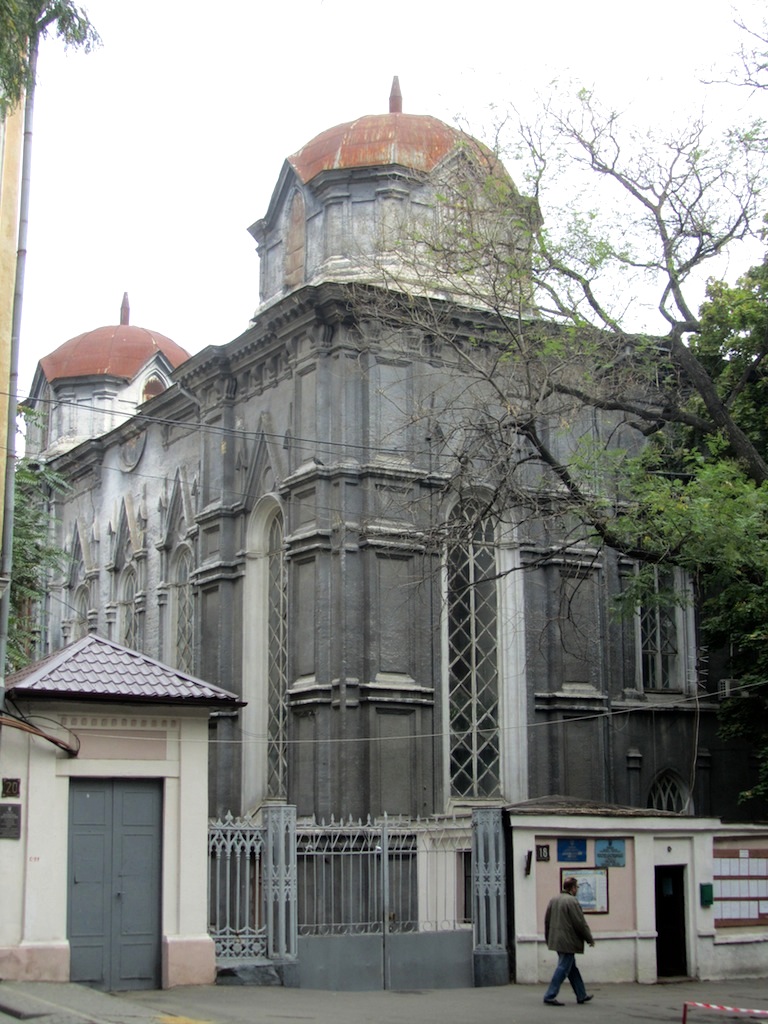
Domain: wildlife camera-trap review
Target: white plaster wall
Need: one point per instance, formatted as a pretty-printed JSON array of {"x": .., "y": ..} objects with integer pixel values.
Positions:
[
  {"x": 33, "y": 925},
  {"x": 629, "y": 954}
]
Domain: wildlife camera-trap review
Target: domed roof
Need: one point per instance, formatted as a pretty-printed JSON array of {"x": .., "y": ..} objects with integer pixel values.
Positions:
[
  {"x": 416, "y": 141},
  {"x": 117, "y": 351}
]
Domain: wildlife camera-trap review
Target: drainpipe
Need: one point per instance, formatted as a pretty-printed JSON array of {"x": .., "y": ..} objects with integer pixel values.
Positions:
[{"x": 6, "y": 553}]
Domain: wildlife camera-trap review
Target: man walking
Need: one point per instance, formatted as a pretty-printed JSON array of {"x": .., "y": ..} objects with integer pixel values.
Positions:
[{"x": 566, "y": 931}]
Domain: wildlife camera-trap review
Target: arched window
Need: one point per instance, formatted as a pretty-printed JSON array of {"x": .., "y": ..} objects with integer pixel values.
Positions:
[
  {"x": 80, "y": 606},
  {"x": 669, "y": 793},
  {"x": 154, "y": 385},
  {"x": 265, "y": 672},
  {"x": 183, "y": 611},
  {"x": 473, "y": 677},
  {"x": 277, "y": 761},
  {"x": 128, "y": 619}
]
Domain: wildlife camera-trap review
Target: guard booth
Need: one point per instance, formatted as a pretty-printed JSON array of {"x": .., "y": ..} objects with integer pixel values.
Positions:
[
  {"x": 666, "y": 895},
  {"x": 103, "y": 820}
]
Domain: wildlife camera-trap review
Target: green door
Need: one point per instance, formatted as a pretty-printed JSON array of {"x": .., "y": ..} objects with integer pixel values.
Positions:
[{"x": 115, "y": 860}]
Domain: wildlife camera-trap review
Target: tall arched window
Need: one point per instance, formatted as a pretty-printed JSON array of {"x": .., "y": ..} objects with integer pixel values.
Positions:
[
  {"x": 128, "y": 615},
  {"x": 473, "y": 676},
  {"x": 265, "y": 673},
  {"x": 80, "y": 612},
  {"x": 183, "y": 612},
  {"x": 277, "y": 760}
]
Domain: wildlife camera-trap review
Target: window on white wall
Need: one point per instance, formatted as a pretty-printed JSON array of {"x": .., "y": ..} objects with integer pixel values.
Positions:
[{"x": 740, "y": 886}]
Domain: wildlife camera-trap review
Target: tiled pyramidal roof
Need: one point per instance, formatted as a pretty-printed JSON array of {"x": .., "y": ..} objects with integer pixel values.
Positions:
[{"x": 96, "y": 669}]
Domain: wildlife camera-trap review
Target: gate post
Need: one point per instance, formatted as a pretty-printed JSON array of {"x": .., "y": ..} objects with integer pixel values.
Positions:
[
  {"x": 491, "y": 959},
  {"x": 280, "y": 889}
]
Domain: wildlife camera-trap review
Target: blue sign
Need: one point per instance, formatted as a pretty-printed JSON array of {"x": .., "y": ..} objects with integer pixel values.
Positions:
[
  {"x": 572, "y": 850},
  {"x": 610, "y": 853}
]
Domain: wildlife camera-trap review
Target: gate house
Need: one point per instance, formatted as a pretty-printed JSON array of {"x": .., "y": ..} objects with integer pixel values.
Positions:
[{"x": 103, "y": 820}]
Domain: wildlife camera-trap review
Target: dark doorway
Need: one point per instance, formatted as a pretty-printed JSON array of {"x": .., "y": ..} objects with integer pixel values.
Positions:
[
  {"x": 671, "y": 958},
  {"x": 115, "y": 860}
]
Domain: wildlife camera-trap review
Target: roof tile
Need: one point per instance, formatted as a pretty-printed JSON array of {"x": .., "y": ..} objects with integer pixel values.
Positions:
[{"x": 100, "y": 670}]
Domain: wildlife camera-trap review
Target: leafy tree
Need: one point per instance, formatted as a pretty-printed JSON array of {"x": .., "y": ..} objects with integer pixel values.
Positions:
[
  {"x": 651, "y": 444},
  {"x": 22, "y": 24},
  {"x": 35, "y": 558}
]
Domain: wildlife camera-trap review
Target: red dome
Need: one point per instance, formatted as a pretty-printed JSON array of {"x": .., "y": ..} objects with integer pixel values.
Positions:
[
  {"x": 118, "y": 351},
  {"x": 416, "y": 141}
]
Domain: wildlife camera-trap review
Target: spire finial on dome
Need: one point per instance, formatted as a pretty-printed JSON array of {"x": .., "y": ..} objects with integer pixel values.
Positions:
[
  {"x": 125, "y": 311},
  {"x": 395, "y": 97}
]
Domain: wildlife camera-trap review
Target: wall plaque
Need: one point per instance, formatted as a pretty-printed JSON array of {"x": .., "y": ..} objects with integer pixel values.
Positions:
[
  {"x": 11, "y": 787},
  {"x": 573, "y": 850},
  {"x": 10, "y": 821},
  {"x": 610, "y": 853}
]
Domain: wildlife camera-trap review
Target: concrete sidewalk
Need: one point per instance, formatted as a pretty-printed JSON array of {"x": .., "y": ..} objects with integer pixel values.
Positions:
[{"x": 51, "y": 1003}]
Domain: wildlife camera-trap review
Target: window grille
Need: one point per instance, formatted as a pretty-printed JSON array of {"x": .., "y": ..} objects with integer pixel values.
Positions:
[
  {"x": 472, "y": 662},
  {"x": 128, "y": 612},
  {"x": 668, "y": 793},
  {"x": 80, "y": 616},
  {"x": 659, "y": 637},
  {"x": 184, "y": 609},
  {"x": 277, "y": 755}
]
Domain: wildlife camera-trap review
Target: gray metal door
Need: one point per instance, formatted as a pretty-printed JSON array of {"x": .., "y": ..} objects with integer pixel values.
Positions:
[{"x": 115, "y": 857}]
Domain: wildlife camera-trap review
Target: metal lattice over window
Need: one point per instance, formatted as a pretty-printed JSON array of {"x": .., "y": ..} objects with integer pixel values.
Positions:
[
  {"x": 128, "y": 614},
  {"x": 184, "y": 613},
  {"x": 277, "y": 755},
  {"x": 659, "y": 639},
  {"x": 668, "y": 793},
  {"x": 80, "y": 613},
  {"x": 473, "y": 679}
]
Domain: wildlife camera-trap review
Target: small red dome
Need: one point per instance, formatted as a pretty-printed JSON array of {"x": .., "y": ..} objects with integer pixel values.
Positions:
[
  {"x": 416, "y": 141},
  {"x": 118, "y": 351}
]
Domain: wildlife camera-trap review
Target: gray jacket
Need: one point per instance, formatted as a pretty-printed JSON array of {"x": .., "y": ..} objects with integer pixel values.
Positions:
[{"x": 565, "y": 927}]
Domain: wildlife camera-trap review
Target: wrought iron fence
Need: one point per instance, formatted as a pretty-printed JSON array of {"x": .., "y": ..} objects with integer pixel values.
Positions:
[
  {"x": 236, "y": 893},
  {"x": 271, "y": 882},
  {"x": 367, "y": 878}
]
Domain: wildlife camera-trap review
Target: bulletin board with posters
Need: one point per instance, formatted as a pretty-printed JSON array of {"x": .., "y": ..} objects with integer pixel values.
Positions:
[{"x": 593, "y": 888}]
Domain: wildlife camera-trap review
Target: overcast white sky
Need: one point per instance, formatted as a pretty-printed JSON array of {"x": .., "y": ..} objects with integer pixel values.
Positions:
[{"x": 154, "y": 154}]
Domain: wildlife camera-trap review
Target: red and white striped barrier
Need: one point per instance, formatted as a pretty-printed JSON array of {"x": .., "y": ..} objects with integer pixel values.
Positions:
[{"x": 724, "y": 1009}]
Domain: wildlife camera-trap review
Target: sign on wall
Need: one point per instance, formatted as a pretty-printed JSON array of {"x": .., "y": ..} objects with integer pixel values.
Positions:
[
  {"x": 610, "y": 853},
  {"x": 10, "y": 821},
  {"x": 573, "y": 851}
]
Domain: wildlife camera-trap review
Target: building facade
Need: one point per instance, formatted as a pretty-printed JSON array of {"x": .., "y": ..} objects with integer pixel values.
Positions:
[{"x": 276, "y": 515}]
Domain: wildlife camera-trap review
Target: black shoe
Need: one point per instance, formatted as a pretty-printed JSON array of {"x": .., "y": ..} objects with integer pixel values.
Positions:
[
  {"x": 586, "y": 999},
  {"x": 553, "y": 1002}
]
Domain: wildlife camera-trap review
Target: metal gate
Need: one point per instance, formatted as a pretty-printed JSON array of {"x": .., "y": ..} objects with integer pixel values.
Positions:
[
  {"x": 360, "y": 905},
  {"x": 385, "y": 905}
]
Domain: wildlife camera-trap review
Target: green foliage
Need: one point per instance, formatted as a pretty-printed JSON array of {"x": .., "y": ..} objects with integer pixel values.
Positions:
[
  {"x": 24, "y": 21},
  {"x": 687, "y": 500},
  {"x": 35, "y": 557},
  {"x": 733, "y": 346}
]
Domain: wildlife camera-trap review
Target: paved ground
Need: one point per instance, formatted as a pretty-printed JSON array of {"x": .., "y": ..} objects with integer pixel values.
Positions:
[{"x": 50, "y": 1003}]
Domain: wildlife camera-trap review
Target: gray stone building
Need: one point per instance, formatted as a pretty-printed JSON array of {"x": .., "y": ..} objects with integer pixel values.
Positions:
[{"x": 270, "y": 515}]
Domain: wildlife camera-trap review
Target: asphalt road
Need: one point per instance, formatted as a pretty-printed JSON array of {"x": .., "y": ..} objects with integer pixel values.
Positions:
[{"x": 50, "y": 1003}]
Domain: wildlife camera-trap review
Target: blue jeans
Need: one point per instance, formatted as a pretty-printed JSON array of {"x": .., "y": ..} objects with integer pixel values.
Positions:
[{"x": 566, "y": 968}]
